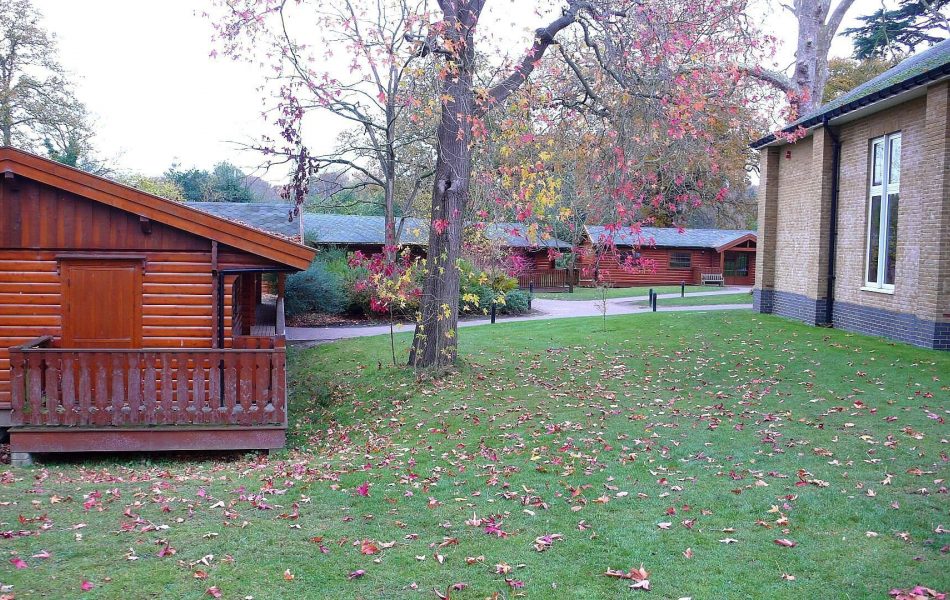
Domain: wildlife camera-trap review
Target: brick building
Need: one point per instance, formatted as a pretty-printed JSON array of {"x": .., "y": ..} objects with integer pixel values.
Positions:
[{"x": 854, "y": 217}]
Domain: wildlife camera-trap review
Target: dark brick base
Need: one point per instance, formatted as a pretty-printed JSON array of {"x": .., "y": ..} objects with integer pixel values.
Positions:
[
  {"x": 896, "y": 326},
  {"x": 853, "y": 317},
  {"x": 788, "y": 304},
  {"x": 762, "y": 300}
]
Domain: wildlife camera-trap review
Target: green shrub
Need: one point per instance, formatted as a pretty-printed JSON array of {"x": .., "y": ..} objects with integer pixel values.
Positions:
[
  {"x": 318, "y": 289},
  {"x": 478, "y": 289},
  {"x": 517, "y": 302}
]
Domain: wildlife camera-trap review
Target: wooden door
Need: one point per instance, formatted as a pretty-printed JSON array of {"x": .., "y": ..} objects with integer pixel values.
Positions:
[{"x": 102, "y": 303}]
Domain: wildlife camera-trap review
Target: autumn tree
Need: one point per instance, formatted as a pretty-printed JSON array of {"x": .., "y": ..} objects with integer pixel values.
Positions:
[
  {"x": 358, "y": 62},
  {"x": 670, "y": 65},
  {"x": 158, "y": 186},
  {"x": 845, "y": 74},
  {"x": 38, "y": 109}
]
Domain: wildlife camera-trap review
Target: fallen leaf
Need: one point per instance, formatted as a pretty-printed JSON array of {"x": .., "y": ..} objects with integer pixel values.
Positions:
[{"x": 368, "y": 547}]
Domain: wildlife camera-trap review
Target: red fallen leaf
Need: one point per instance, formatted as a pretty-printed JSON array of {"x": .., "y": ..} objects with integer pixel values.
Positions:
[
  {"x": 918, "y": 592},
  {"x": 201, "y": 574},
  {"x": 640, "y": 577},
  {"x": 688, "y": 553},
  {"x": 363, "y": 489},
  {"x": 356, "y": 574},
  {"x": 86, "y": 585},
  {"x": 514, "y": 583},
  {"x": 18, "y": 562},
  {"x": 368, "y": 547},
  {"x": 166, "y": 550},
  {"x": 288, "y": 576},
  {"x": 786, "y": 543},
  {"x": 42, "y": 554},
  {"x": 213, "y": 591}
]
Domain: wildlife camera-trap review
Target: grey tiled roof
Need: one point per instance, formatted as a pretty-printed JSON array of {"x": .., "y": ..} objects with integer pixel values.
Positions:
[
  {"x": 272, "y": 217},
  {"x": 667, "y": 237},
  {"x": 515, "y": 235},
  {"x": 922, "y": 68},
  {"x": 360, "y": 229}
]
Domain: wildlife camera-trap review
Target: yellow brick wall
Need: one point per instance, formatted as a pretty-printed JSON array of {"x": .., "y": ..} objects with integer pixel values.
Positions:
[
  {"x": 796, "y": 237},
  {"x": 794, "y": 210},
  {"x": 918, "y": 233}
]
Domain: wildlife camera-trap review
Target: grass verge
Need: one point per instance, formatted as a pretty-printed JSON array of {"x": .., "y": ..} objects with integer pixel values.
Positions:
[{"x": 687, "y": 443}]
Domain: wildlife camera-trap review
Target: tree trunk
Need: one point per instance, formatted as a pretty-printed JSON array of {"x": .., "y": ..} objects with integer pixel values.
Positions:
[
  {"x": 816, "y": 31},
  {"x": 389, "y": 167},
  {"x": 435, "y": 343}
]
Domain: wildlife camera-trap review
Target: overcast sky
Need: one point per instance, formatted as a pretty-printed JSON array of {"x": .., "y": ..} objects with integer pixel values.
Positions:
[{"x": 144, "y": 70}]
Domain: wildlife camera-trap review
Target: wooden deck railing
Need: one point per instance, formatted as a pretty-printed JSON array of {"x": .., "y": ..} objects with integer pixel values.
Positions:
[
  {"x": 136, "y": 388},
  {"x": 557, "y": 280}
]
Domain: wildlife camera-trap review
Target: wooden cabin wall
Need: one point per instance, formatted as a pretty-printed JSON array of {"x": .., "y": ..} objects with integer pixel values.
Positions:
[
  {"x": 611, "y": 271},
  {"x": 39, "y": 223}
]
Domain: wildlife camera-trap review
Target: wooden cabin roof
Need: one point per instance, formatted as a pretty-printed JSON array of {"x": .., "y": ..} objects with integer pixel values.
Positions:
[{"x": 174, "y": 214}]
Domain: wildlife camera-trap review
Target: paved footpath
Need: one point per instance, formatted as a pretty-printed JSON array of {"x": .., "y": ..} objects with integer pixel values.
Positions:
[{"x": 543, "y": 309}]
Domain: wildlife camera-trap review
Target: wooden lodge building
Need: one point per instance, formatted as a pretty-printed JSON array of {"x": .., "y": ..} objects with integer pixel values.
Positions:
[
  {"x": 367, "y": 234},
  {"x": 128, "y": 321},
  {"x": 672, "y": 256}
]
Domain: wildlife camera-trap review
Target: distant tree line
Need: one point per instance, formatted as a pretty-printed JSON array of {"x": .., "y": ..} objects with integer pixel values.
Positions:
[{"x": 223, "y": 183}]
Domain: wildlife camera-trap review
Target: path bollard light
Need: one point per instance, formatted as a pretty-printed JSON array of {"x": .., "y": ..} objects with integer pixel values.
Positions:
[
  {"x": 654, "y": 302},
  {"x": 493, "y": 305},
  {"x": 682, "y": 289}
]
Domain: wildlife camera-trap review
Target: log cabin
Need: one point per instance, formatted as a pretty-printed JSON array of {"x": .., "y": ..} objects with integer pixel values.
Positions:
[
  {"x": 669, "y": 256},
  {"x": 133, "y": 322},
  {"x": 367, "y": 234}
]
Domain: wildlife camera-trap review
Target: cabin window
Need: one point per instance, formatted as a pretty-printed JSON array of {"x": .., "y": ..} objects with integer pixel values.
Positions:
[
  {"x": 883, "y": 202},
  {"x": 627, "y": 258},
  {"x": 681, "y": 260}
]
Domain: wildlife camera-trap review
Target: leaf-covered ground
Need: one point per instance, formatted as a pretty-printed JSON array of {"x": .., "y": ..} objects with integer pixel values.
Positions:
[{"x": 731, "y": 455}]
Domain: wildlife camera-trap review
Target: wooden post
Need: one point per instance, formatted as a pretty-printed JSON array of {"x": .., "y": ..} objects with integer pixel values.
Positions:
[
  {"x": 281, "y": 282},
  {"x": 215, "y": 298}
]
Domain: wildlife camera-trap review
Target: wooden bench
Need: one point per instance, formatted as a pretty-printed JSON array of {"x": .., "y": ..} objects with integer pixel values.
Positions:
[{"x": 712, "y": 279}]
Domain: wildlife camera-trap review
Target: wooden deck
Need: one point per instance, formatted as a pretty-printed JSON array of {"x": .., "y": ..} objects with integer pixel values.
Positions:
[
  {"x": 559, "y": 280},
  {"x": 108, "y": 400}
]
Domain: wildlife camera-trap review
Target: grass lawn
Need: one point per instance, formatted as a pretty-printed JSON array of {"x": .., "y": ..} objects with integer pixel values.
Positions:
[
  {"x": 582, "y": 293},
  {"x": 688, "y": 444},
  {"x": 745, "y": 298}
]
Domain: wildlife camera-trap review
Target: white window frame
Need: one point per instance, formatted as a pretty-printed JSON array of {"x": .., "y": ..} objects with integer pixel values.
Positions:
[{"x": 889, "y": 184}]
